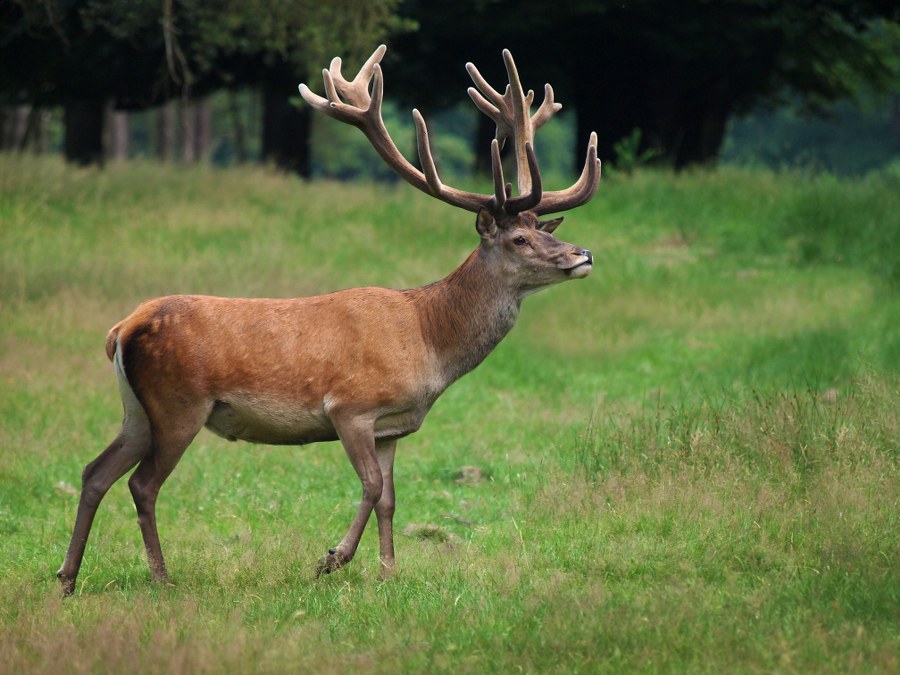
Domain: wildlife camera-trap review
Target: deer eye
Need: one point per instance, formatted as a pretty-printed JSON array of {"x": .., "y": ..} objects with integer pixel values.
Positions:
[{"x": 520, "y": 241}]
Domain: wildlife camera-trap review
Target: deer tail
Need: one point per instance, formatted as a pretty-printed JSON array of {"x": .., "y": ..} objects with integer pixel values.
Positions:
[{"x": 111, "y": 338}]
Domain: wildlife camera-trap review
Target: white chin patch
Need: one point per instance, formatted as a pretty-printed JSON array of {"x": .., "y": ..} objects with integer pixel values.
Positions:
[{"x": 581, "y": 271}]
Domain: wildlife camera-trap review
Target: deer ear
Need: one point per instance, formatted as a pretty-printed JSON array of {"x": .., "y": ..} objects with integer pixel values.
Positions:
[
  {"x": 486, "y": 224},
  {"x": 550, "y": 225}
]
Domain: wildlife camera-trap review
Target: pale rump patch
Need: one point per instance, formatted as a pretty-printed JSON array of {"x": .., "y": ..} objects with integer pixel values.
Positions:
[{"x": 136, "y": 425}]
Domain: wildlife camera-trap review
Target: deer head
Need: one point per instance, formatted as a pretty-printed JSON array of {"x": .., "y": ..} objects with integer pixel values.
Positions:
[{"x": 512, "y": 235}]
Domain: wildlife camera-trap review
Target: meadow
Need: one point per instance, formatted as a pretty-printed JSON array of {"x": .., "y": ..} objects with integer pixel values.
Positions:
[{"x": 687, "y": 462}]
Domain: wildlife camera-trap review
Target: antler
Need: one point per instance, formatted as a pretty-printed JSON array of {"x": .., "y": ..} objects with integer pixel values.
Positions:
[
  {"x": 363, "y": 110},
  {"x": 512, "y": 114},
  {"x": 351, "y": 102}
]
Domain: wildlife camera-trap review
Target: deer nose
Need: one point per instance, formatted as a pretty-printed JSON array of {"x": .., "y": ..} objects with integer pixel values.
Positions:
[{"x": 587, "y": 254}]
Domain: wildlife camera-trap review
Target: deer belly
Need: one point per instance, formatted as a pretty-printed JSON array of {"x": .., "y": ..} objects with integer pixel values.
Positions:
[
  {"x": 399, "y": 424},
  {"x": 269, "y": 423}
]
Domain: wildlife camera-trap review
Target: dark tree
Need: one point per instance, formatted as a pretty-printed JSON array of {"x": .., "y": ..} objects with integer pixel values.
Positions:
[
  {"x": 676, "y": 70},
  {"x": 141, "y": 53},
  {"x": 84, "y": 131},
  {"x": 286, "y": 129},
  {"x": 682, "y": 69},
  {"x": 63, "y": 58}
]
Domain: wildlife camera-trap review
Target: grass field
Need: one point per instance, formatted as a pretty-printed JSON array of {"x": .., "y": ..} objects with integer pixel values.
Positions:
[{"x": 688, "y": 461}]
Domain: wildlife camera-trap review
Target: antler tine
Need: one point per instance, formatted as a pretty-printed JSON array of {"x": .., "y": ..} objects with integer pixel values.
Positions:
[
  {"x": 533, "y": 197},
  {"x": 377, "y": 97},
  {"x": 495, "y": 204},
  {"x": 335, "y": 69},
  {"x": 425, "y": 157},
  {"x": 548, "y": 109},
  {"x": 311, "y": 98},
  {"x": 332, "y": 105},
  {"x": 504, "y": 129},
  {"x": 497, "y": 171},
  {"x": 492, "y": 94},
  {"x": 482, "y": 103},
  {"x": 356, "y": 91},
  {"x": 330, "y": 88},
  {"x": 492, "y": 103},
  {"x": 528, "y": 174},
  {"x": 499, "y": 107},
  {"x": 524, "y": 134},
  {"x": 579, "y": 193}
]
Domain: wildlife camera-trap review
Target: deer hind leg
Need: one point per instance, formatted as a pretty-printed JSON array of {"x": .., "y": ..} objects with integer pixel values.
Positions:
[
  {"x": 130, "y": 446},
  {"x": 358, "y": 439},
  {"x": 170, "y": 440},
  {"x": 174, "y": 422},
  {"x": 384, "y": 507}
]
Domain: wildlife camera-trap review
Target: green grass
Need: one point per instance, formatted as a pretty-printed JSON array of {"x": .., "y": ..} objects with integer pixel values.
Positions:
[{"x": 689, "y": 460}]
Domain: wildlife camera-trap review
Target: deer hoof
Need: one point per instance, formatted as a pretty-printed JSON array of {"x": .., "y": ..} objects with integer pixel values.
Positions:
[
  {"x": 331, "y": 562},
  {"x": 387, "y": 569},
  {"x": 67, "y": 584}
]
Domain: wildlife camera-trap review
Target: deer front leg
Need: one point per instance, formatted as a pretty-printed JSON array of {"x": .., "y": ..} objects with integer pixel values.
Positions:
[
  {"x": 384, "y": 508},
  {"x": 358, "y": 439}
]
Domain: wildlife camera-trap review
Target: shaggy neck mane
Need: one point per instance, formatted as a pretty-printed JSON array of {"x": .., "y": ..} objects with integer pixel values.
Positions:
[{"x": 465, "y": 315}]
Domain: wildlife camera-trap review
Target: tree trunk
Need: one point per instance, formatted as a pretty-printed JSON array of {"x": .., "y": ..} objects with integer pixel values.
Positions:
[
  {"x": 84, "y": 131},
  {"x": 684, "y": 134},
  {"x": 189, "y": 132},
  {"x": 14, "y": 122},
  {"x": 118, "y": 140},
  {"x": 594, "y": 113},
  {"x": 41, "y": 142},
  {"x": 32, "y": 133},
  {"x": 165, "y": 132},
  {"x": 286, "y": 130},
  {"x": 204, "y": 129},
  {"x": 696, "y": 136},
  {"x": 240, "y": 140}
]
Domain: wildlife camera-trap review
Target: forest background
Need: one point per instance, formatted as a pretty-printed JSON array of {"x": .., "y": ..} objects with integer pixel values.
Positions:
[{"x": 776, "y": 83}]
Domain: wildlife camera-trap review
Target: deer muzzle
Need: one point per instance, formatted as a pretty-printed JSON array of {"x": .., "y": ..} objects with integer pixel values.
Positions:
[{"x": 583, "y": 265}]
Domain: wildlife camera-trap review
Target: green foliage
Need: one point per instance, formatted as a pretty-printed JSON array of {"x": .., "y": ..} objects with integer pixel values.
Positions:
[
  {"x": 341, "y": 152},
  {"x": 629, "y": 155},
  {"x": 849, "y": 140},
  {"x": 852, "y": 136},
  {"x": 675, "y": 70},
  {"x": 140, "y": 52},
  {"x": 689, "y": 460}
]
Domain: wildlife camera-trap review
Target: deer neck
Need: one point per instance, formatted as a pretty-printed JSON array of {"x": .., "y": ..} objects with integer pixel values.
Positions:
[{"x": 465, "y": 315}]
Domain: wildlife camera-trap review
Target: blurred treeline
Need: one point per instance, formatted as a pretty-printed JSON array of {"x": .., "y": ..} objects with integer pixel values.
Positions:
[{"x": 790, "y": 82}]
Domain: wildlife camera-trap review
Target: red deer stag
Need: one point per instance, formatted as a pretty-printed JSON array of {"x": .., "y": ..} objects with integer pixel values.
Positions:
[{"x": 363, "y": 365}]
